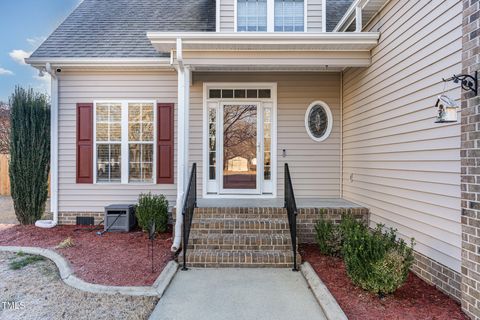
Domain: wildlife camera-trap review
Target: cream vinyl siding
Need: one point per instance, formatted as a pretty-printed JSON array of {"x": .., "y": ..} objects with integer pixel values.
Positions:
[
  {"x": 315, "y": 166},
  {"x": 87, "y": 87},
  {"x": 227, "y": 15},
  {"x": 314, "y": 15},
  {"x": 406, "y": 168}
]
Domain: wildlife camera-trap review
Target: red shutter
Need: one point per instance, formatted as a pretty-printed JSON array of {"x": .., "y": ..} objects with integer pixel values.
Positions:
[
  {"x": 84, "y": 142},
  {"x": 165, "y": 113}
]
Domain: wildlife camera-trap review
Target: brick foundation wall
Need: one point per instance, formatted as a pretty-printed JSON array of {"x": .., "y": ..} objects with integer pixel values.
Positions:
[
  {"x": 443, "y": 278},
  {"x": 69, "y": 218},
  {"x": 308, "y": 217},
  {"x": 470, "y": 162}
]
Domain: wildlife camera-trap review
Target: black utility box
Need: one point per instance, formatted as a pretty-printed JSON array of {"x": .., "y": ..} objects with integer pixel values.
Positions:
[{"x": 120, "y": 217}]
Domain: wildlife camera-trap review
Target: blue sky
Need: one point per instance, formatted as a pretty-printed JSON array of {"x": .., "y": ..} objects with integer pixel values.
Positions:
[{"x": 23, "y": 26}]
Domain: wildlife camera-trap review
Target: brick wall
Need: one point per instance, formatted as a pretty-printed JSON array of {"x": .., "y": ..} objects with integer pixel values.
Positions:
[
  {"x": 70, "y": 218},
  {"x": 308, "y": 217},
  {"x": 470, "y": 161},
  {"x": 438, "y": 275}
]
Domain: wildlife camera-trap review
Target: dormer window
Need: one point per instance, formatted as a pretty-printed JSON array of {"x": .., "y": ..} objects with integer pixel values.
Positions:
[
  {"x": 289, "y": 15},
  {"x": 252, "y": 15},
  {"x": 270, "y": 15}
]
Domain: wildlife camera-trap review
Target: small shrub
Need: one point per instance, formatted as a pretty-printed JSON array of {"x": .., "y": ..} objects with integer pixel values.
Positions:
[
  {"x": 375, "y": 260},
  {"x": 152, "y": 208},
  {"x": 329, "y": 238},
  {"x": 24, "y": 261}
]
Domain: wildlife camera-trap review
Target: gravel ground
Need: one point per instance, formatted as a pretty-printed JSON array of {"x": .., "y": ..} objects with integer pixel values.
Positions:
[
  {"x": 43, "y": 295},
  {"x": 7, "y": 215}
]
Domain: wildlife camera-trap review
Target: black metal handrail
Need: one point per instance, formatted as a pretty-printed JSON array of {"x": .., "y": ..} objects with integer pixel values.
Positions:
[
  {"x": 291, "y": 206},
  {"x": 189, "y": 206}
]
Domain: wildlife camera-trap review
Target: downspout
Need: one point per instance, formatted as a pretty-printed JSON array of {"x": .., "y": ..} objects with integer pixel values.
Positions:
[
  {"x": 53, "y": 151},
  {"x": 182, "y": 144}
]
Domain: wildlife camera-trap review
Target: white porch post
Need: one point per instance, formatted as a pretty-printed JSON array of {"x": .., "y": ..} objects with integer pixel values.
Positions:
[{"x": 184, "y": 79}]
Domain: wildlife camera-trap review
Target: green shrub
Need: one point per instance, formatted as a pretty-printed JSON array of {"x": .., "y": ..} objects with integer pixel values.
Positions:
[
  {"x": 29, "y": 154},
  {"x": 329, "y": 238},
  {"x": 152, "y": 208},
  {"x": 375, "y": 260}
]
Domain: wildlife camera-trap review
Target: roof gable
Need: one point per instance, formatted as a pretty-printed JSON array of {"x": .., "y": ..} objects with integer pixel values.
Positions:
[{"x": 117, "y": 28}]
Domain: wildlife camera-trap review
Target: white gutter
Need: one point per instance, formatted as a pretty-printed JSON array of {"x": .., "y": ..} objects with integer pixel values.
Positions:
[
  {"x": 265, "y": 41},
  {"x": 161, "y": 62}
]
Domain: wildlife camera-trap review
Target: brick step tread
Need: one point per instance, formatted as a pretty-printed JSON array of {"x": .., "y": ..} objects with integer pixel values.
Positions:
[
  {"x": 239, "y": 256},
  {"x": 241, "y": 210},
  {"x": 240, "y": 224},
  {"x": 242, "y": 216},
  {"x": 226, "y": 231},
  {"x": 247, "y": 240},
  {"x": 239, "y": 265}
]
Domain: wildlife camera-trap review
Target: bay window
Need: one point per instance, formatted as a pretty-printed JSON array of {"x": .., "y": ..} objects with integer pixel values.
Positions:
[{"x": 124, "y": 142}]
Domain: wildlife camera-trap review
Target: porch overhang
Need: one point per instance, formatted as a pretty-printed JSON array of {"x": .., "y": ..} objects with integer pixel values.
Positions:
[{"x": 268, "y": 51}]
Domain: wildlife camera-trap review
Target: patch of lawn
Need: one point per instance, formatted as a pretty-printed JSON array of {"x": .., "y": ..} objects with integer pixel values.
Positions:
[{"x": 24, "y": 261}]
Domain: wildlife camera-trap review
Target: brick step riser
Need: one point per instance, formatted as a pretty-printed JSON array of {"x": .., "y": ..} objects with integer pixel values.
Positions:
[
  {"x": 240, "y": 225},
  {"x": 274, "y": 211},
  {"x": 238, "y": 265},
  {"x": 233, "y": 260},
  {"x": 246, "y": 240},
  {"x": 198, "y": 232},
  {"x": 240, "y": 216},
  {"x": 227, "y": 247}
]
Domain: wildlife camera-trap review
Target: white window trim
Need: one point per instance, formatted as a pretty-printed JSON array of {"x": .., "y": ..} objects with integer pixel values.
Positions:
[
  {"x": 273, "y": 155},
  {"x": 329, "y": 116},
  {"x": 270, "y": 16},
  {"x": 124, "y": 142}
]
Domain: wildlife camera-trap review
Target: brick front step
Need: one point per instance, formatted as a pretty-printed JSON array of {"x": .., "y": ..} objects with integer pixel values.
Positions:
[
  {"x": 254, "y": 242},
  {"x": 240, "y": 213},
  {"x": 219, "y": 225},
  {"x": 239, "y": 259}
]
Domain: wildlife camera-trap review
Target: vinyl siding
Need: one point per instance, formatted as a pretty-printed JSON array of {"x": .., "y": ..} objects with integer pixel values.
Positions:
[
  {"x": 227, "y": 15},
  {"x": 406, "y": 168},
  {"x": 87, "y": 87},
  {"x": 314, "y": 15},
  {"x": 315, "y": 166}
]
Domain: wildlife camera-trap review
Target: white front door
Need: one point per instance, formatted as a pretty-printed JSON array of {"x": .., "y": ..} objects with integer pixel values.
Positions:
[{"x": 239, "y": 142}]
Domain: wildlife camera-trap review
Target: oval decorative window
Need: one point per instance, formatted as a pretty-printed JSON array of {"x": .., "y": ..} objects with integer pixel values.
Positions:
[{"x": 318, "y": 121}]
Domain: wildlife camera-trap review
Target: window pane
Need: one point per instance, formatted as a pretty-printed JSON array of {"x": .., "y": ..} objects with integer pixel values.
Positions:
[
  {"x": 147, "y": 129},
  {"x": 147, "y": 113},
  {"x": 115, "y": 113},
  {"x": 115, "y": 132},
  {"x": 134, "y": 131},
  {"x": 134, "y": 112},
  {"x": 215, "y": 93},
  {"x": 227, "y": 94},
  {"x": 108, "y": 162},
  {"x": 239, "y": 93},
  {"x": 102, "y": 131},
  {"x": 140, "y": 162},
  {"x": 251, "y": 15},
  {"x": 289, "y": 15},
  {"x": 264, "y": 93},
  {"x": 102, "y": 112},
  {"x": 252, "y": 93}
]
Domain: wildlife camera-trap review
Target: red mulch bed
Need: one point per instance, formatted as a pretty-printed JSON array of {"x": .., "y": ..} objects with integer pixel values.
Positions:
[
  {"x": 414, "y": 300},
  {"x": 120, "y": 259}
]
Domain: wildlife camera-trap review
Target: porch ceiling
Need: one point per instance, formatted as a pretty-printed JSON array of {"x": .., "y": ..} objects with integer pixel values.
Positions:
[{"x": 267, "y": 51}]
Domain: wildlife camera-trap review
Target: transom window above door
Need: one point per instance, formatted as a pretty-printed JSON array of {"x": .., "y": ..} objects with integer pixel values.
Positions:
[{"x": 270, "y": 15}]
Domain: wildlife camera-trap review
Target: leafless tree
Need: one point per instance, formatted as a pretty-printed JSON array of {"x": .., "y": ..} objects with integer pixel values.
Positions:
[{"x": 4, "y": 127}]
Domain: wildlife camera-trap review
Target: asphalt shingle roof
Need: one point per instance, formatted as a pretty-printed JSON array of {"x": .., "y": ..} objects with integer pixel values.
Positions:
[
  {"x": 117, "y": 28},
  {"x": 336, "y": 9}
]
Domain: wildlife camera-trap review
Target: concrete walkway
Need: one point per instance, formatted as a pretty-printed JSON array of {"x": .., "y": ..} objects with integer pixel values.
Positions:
[{"x": 238, "y": 294}]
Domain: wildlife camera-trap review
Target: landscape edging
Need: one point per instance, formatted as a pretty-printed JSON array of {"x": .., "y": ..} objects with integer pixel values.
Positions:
[
  {"x": 325, "y": 299},
  {"x": 67, "y": 275}
]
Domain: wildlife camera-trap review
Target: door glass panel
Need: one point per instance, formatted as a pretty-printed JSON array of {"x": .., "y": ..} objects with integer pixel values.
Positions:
[
  {"x": 267, "y": 141},
  {"x": 240, "y": 147}
]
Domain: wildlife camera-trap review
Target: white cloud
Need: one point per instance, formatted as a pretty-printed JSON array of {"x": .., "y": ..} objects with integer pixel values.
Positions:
[
  {"x": 5, "y": 72},
  {"x": 19, "y": 55},
  {"x": 36, "y": 41}
]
